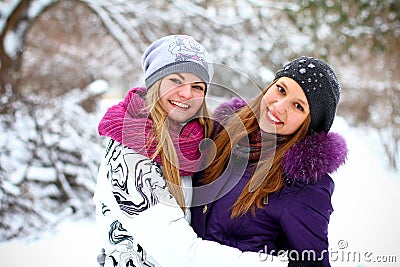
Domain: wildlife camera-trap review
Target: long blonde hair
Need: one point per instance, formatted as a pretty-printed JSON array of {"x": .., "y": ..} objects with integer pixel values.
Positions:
[
  {"x": 165, "y": 147},
  {"x": 269, "y": 170}
]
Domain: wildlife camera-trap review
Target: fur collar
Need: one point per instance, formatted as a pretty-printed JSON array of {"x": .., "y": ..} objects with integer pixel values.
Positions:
[{"x": 307, "y": 160}]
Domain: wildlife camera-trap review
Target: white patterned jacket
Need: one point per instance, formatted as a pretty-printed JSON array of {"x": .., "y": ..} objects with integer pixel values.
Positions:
[
  {"x": 128, "y": 182},
  {"x": 135, "y": 208}
]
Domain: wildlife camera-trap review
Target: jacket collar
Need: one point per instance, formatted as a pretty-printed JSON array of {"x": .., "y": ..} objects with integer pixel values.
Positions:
[
  {"x": 315, "y": 155},
  {"x": 307, "y": 160}
]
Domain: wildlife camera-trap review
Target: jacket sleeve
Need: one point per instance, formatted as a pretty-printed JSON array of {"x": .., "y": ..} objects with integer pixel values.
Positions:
[
  {"x": 168, "y": 237},
  {"x": 128, "y": 180},
  {"x": 305, "y": 225}
]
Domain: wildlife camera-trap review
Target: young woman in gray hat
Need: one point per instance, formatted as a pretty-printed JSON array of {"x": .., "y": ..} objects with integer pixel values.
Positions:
[
  {"x": 267, "y": 188},
  {"x": 155, "y": 131}
]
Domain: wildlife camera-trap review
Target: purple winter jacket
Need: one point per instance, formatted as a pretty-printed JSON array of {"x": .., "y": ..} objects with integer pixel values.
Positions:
[{"x": 294, "y": 219}]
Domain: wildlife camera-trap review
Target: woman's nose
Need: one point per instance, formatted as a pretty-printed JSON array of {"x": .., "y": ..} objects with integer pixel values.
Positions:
[
  {"x": 280, "y": 106},
  {"x": 185, "y": 91}
]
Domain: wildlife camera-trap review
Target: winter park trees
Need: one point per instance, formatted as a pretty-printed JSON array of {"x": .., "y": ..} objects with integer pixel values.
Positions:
[{"x": 56, "y": 56}]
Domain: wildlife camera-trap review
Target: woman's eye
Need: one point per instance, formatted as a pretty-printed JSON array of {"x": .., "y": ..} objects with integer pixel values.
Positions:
[
  {"x": 174, "y": 80},
  {"x": 281, "y": 89},
  {"x": 299, "y": 107},
  {"x": 199, "y": 87}
]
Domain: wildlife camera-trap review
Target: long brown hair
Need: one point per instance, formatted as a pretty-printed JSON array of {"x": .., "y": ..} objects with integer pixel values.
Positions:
[
  {"x": 165, "y": 147},
  {"x": 270, "y": 170}
]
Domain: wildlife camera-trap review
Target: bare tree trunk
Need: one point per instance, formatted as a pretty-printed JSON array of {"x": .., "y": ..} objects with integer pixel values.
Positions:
[{"x": 10, "y": 64}]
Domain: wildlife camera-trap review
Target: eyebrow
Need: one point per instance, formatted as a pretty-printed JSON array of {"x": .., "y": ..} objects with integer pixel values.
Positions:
[
  {"x": 200, "y": 83},
  {"x": 298, "y": 99},
  {"x": 181, "y": 76}
]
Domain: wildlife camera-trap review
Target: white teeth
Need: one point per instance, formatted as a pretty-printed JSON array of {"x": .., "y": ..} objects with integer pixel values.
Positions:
[
  {"x": 272, "y": 117},
  {"x": 179, "y": 104}
]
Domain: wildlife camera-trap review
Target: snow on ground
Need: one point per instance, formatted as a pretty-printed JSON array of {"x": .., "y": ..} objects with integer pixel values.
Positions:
[
  {"x": 366, "y": 219},
  {"x": 73, "y": 243},
  {"x": 364, "y": 228}
]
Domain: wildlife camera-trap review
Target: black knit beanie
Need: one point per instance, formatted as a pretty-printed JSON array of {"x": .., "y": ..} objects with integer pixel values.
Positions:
[{"x": 321, "y": 87}]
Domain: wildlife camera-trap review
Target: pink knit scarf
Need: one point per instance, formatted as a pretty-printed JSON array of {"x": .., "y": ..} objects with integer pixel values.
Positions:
[{"x": 130, "y": 124}]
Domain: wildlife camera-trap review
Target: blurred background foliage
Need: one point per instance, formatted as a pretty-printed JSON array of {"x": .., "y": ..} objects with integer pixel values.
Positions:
[{"x": 52, "y": 52}]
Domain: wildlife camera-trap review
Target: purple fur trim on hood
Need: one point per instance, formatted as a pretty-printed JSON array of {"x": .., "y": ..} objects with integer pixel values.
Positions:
[
  {"x": 317, "y": 154},
  {"x": 227, "y": 108}
]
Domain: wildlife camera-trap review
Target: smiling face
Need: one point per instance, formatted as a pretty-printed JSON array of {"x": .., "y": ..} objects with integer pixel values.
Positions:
[
  {"x": 283, "y": 108},
  {"x": 181, "y": 95}
]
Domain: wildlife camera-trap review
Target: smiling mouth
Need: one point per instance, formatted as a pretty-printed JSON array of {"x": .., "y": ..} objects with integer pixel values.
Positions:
[
  {"x": 272, "y": 117},
  {"x": 179, "y": 104}
]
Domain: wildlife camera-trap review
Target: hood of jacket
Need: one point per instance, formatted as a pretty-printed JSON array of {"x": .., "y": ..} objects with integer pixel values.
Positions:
[{"x": 307, "y": 160}]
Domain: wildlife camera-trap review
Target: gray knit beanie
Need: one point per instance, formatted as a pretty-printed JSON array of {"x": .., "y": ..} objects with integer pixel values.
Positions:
[
  {"x": 173, "y": 54},
  {"x": 321, "y": 87}
]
